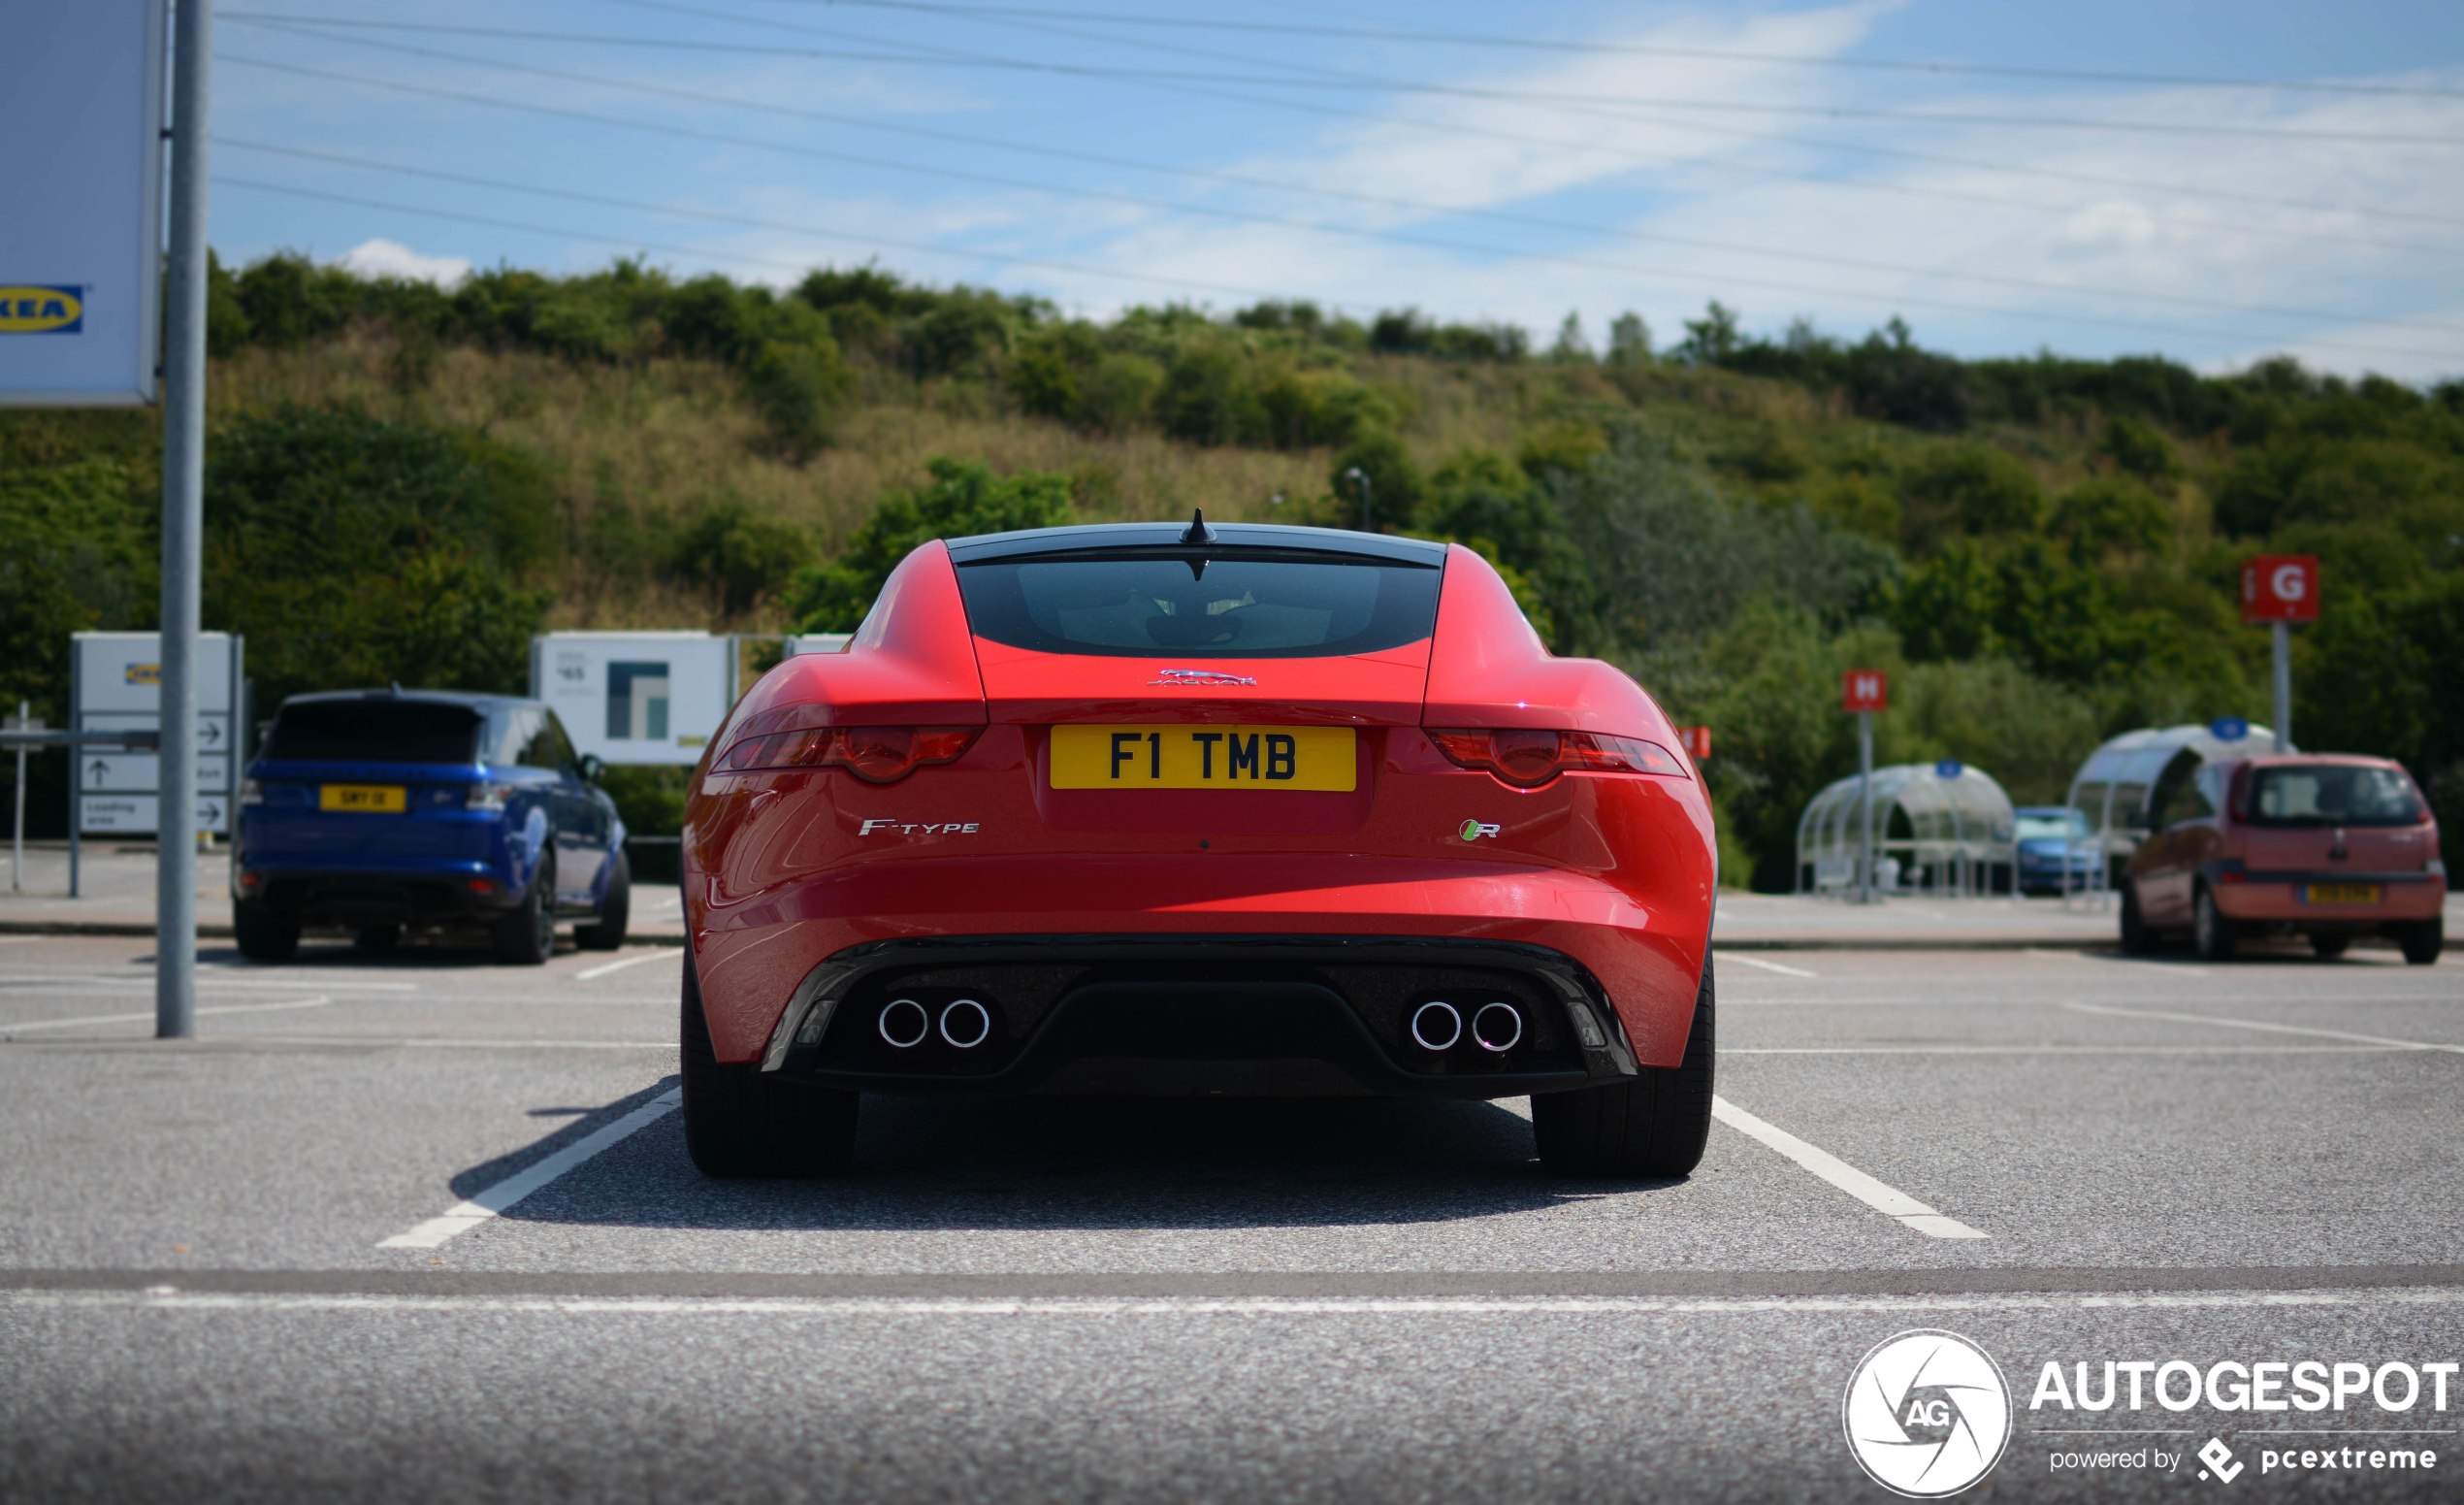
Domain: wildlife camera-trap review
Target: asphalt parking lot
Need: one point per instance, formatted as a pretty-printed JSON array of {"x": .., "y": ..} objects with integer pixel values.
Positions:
[{"x": 288, "y": 1261}]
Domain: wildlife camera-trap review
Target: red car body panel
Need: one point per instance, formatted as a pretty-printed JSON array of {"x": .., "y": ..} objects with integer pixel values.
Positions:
[{"x": 785, "y": 868}]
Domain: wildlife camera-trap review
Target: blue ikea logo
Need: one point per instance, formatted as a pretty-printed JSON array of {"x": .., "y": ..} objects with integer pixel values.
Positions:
[{"x": 40, "y": 309}]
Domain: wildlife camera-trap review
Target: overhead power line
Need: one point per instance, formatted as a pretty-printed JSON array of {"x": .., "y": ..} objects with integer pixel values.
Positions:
[
  {"x": 569, "y": 233},
  {"x": 1655, "y": 50},
  {"x": 1328, "y": 78},
  {"x": 1879, "y": 299},
  {"x": 939, "y": 55},
  {"x": 1371, "y": 233}
]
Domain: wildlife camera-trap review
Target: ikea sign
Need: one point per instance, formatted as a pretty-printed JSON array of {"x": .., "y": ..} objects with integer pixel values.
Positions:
[
  {"x": 81, "y": 235},
  {"x": 42, "y": 311}
]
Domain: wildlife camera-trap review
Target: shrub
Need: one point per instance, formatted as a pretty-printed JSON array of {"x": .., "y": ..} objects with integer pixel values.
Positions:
[{"x": 963, "y": 499}]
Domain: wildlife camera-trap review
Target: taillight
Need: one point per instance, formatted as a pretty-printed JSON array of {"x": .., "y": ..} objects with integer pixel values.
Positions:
[
  {"x": 487, "y": 797},
  {"x": 877, "y": 755},
  {"x": 1528, "y": 759}
]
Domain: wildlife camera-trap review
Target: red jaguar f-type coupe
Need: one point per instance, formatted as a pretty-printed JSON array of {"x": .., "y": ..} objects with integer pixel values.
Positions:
[{"x": 1194, "y": 809}]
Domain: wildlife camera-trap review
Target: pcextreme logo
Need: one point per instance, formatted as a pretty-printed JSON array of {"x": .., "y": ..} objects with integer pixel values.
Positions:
[
  {"x": 1926, "y": 1414},
  {"x": 30, "y": 308}
]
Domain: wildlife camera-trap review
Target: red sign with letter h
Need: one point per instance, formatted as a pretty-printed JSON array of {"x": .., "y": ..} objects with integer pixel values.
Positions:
[
  {"x": 2280, "y": 588},
  {"x": 1865, "y": 689}
]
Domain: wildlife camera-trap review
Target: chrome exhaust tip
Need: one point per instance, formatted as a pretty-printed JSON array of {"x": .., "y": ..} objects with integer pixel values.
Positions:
[
  {"x": 905, "y": 1024},
  {"x": 966, "y": 1024},
  {"x": 1436, "y": 1027},
  {"x": 1498, "y": 1027}
]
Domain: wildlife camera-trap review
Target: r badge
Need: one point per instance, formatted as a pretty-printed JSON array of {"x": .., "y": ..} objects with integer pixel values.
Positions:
[{"x": 1474, "y": 831}]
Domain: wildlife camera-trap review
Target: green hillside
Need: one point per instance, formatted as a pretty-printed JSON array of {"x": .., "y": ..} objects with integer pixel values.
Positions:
[{"x": 404, "y": 483}]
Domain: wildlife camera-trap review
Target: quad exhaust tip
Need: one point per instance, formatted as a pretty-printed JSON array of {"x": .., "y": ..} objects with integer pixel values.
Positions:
[
  {"x": 1436, "y": 1027},
  {"x": 966, "y": 1024},
  {"x": 905, "y": 1024},
  {"x": 1498, "y": 1027}
]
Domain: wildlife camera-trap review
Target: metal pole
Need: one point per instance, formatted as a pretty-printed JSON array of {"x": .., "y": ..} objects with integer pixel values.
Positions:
[
  {"x": 1864, "y": 806},
  {"x": 17, "y": 848},
  {"x": 2283, "y": 686},
  {"x": 183, "y": 524},
  {"x": 1362, "y": 477}
]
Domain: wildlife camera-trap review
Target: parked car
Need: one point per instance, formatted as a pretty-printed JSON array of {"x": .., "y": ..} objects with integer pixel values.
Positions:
[
  {"x": 1249, "y": 810},
  {"x": 2053, "y": 841},
  {"x": 2330, "y": 847},
  {"x": 379, "y": 810}
]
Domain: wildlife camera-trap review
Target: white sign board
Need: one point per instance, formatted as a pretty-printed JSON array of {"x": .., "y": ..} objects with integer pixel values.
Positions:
[
  {"x": 81, "y": 225},
  {"x": 115, "y": 685},
  {"x": 636, "y": 697}
]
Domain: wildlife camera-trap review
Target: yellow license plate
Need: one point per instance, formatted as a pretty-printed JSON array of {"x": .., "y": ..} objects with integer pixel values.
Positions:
[
  {"x": 1187, "y": 757},
  {"x": 2341, "y": 893},
  {"x": 368, "y": 799}
]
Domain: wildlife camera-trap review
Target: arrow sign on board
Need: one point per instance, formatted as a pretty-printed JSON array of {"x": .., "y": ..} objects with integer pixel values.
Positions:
[
  {"x": 97, "y": 769},
  {"x": 209, "y": 734}
]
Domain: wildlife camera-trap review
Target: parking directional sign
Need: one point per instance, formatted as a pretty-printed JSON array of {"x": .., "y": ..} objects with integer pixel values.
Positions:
[
  {"x": 115, "y": 685},
  {"x": 2280, "y": 588}
]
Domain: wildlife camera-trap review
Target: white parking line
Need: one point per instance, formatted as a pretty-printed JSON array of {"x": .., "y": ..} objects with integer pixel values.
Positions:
[
  {"x": 2059, "y": 1050},
  {"x": 148, "y": 1017},
  {"x": 2259, "y": 1023},
  {"x": 1890, "y": 1201},
  {"x": 170, "y": 1298},
  {"x": 512, "y": 1188},
  {"x": 1769, "y": 966},
  {"x": 663, "y": 954}
]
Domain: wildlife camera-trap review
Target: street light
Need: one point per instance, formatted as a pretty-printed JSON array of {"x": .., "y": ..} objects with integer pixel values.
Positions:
[{"x": 1362, "y": 477}]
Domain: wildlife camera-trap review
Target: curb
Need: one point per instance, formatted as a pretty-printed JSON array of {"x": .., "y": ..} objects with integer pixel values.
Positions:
[{"x": 146, "y": 930}]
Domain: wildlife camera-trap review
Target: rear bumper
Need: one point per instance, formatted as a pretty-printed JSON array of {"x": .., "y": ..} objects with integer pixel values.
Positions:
[
  {"x": 1254, "y": 1015},
  {"x": 2279, "y": 898},
  {"x": 1643, "y": 951},
  {"x": 356, "y": 900}
]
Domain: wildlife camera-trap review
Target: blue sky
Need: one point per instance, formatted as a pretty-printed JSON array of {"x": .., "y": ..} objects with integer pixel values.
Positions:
[{"x": 2216, "y": 182}]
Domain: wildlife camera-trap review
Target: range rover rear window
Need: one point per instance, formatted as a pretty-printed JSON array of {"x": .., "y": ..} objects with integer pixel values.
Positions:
[
  {"x": 1214, "y": 602},
  {"x": 375, "y": 730}
]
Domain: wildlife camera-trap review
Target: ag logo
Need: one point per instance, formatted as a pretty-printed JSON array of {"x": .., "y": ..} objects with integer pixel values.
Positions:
[
  {"x": 1926, "y": 1414},
  {"x": 1474, "y": 831}
]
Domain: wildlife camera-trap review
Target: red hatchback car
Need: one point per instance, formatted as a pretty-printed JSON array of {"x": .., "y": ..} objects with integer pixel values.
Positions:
[
  {"x": 2330, "y": 847},
  {"x": 1155, "y": 808}
]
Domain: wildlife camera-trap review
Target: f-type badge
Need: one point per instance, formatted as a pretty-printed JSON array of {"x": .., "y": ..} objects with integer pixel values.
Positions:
[{"x": 1203, "y": 678}]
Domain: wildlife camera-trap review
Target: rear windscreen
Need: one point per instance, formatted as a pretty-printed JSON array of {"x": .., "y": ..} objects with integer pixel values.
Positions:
[
  {"x": 2332, "y": 794},
  {"x": 1229, "y": 605},
  {"x": 375, "y": 730}
]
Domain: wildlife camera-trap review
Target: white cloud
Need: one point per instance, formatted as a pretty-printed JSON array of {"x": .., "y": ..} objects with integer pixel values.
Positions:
[
  {"x": 382, "y": 258},
  {"x": 2026, "y": 238}
]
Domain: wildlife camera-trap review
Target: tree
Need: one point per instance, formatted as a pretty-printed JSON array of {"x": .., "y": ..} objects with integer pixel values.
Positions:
[{"x": 961, "y": 501}]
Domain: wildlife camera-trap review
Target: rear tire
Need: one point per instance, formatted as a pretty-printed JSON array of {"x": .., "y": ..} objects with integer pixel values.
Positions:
[
  {"x": 742, "y": 1123},
  {"x": 2209, "y": 929},
  {"x": 2329, "y": 947},
  {"x": 263, "y": 938},
  {"x": 2137, "y": 940},
  {"x": 2423, "y": 940},
  {"x": 526, "y": 936},
  {"x": 1652, "y": 1125},
  {"x": 615, "y": 909}
]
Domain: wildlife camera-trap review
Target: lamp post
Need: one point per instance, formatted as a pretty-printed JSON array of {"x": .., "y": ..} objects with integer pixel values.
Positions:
[{"x": 1362, "y": 477}]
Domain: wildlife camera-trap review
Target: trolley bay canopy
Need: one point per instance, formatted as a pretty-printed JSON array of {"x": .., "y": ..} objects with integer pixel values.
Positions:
[
  {"x": 2122, "y": 782},
  {"x": 1944, "y": 834}
]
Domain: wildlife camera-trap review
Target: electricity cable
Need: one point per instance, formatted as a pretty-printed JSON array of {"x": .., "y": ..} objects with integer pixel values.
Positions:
[
  {"x": 475, "y": 181},
  {"x": 942, "y": 54}
]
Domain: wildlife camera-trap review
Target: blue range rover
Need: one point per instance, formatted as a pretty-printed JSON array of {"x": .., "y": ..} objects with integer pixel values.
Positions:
[{"x": 382, "y": 810}]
